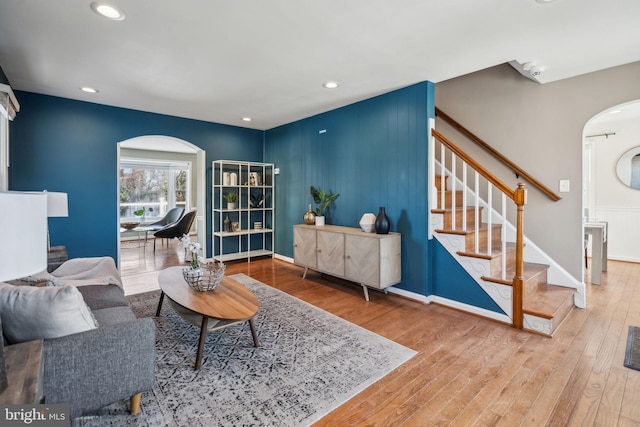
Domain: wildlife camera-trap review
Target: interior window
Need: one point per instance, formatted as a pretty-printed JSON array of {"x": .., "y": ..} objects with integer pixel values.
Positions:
[{"x": 148, "y": 189}]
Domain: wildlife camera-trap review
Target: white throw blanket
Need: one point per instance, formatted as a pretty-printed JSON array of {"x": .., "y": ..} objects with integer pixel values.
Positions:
[{"x": 87, "y": 271}]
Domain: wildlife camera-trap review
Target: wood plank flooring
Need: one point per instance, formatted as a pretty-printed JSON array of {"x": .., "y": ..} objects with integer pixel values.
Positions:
[{"x": 469, "y": 371}]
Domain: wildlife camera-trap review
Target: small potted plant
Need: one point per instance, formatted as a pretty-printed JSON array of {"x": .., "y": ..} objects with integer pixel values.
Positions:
[
  {"x": 323, "y": 200},
  {"x": 140, "y": 214},
  {"x": 231, "y": 199}
]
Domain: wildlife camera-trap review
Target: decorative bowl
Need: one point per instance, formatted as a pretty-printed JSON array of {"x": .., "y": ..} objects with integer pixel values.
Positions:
[
  {"x": 129, "y": 225},
  {"x": 205, "y": 278},
  {"x": 368, "y": 222}
]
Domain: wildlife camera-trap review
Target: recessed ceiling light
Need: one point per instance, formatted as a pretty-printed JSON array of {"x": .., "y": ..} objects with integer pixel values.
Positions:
[
  {"x": 108, "y": 10},
  {"x": 544, "y": 1},
  {"x": 615, "y": 111},
  {"x": 88, "y": 89},
  {"x": 331, "y": 85},
  {"x": 246, "y": 119}
]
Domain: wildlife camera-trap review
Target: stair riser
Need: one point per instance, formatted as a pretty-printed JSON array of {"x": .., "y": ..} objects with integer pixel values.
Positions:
[
  {"x": 561, "y": 314},
  {"x": 495, "y": 266},
  {"x": 438, "y": 181},
  {"x": 448, "y": 198},
  {"x": 532, "y": 284},
  {"x": 448, "y": 217},
  {"x": 470, "y": 241}
]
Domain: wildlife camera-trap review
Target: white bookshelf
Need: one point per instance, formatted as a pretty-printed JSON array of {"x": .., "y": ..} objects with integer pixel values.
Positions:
[{"x": 254, "y": 185}]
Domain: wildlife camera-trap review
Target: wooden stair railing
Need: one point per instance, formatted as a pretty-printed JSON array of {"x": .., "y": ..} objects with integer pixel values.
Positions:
[
  {"x": 514, "y": 167},
  {"x": 518, "y": 196}
]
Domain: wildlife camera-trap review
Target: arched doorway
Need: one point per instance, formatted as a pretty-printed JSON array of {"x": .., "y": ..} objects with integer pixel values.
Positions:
[
  {"x": 611, "y": 140},
  {"x": 167, "y": 159}
]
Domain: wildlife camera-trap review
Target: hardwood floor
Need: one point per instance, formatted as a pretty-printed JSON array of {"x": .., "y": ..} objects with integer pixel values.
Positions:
[{"x": 468, "y": 370}]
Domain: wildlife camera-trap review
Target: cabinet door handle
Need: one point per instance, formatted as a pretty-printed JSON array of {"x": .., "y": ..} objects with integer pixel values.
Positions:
[
  {"x": 348, "y": 257},
  {"x": 319, "y": 250}
]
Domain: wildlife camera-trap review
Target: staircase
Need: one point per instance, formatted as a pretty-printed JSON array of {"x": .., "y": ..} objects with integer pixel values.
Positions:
[{"x": 486, "y": 246}]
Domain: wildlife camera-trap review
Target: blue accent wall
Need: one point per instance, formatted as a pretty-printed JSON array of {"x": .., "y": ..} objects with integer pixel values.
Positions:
[
  {"x": 63, "y": 145},
  {"x": 454, "y": 283},
  {"x": 373, "y": 153}
]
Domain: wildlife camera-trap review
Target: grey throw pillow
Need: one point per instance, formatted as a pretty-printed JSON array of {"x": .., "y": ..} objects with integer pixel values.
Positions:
[{"x": 30, "y": 313}]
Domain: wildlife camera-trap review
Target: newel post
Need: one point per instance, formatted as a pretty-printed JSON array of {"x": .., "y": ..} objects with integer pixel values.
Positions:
[{"x": 520, "y": 199}]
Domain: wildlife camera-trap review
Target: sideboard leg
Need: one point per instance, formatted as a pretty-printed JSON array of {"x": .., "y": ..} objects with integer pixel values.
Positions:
[
  {"x": 304, "y": 276},
  {"x": 366, "y": 292}
]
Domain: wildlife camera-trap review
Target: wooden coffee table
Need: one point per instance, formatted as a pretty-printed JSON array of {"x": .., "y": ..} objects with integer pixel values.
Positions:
[{"x": 228, "y": 304}]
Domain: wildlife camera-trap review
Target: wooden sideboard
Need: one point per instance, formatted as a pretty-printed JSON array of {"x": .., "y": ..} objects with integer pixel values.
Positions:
[{"x": 372, "y": 260}]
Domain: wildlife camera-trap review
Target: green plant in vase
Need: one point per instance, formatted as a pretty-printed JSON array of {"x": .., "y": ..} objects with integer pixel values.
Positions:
[
  {"x": 323, "y": 200},
  {"x": 232, "y": 199},
  {"x": 140, "y": 214}
]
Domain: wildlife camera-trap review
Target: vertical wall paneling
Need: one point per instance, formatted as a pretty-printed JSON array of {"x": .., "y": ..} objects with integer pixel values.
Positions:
[
  {"x": 452, "y": 282},
  {"x": 64, "y": 145},
  {"x": 374, "y": 153}
]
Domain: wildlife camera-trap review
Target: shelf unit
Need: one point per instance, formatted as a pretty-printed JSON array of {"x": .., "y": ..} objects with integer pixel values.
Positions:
[{"x": 254, "y": 185}]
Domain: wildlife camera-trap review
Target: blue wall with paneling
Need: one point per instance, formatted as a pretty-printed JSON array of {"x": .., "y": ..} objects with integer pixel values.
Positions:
[
  {"x": 454, "y": 283},
  {"x": 62, "y": 145},
  {"x": 373, "y": 153}
]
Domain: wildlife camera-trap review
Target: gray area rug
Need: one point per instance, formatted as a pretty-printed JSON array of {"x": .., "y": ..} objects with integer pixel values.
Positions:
[
  {"x": 632, "y": 355},
  {"x": 309, "y": 362}
]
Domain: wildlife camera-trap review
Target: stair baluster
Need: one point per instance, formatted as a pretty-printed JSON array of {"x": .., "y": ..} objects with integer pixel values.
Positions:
[
  {"x": 526, "y": 298},
  {"x": 464, "y": 197},
  {"x": 477, "y": 212},
  {"x": 503, "y": 238}
]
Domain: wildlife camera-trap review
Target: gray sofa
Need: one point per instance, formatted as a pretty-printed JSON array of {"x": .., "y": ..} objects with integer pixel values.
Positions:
[{"x": 96, "y": 367}]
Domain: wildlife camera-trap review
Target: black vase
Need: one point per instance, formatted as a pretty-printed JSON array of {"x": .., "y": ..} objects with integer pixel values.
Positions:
[{"x": 382, "y": 222}]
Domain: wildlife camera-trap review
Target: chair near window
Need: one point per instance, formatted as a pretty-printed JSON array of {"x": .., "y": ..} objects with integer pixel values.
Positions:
[
  {"x": 177, "y": 229},
  {"x": 172, "y": 216}
]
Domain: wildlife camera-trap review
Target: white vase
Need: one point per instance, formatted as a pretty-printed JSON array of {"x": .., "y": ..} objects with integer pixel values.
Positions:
[
  {"x": 319, "y": 220},
  {"x": 226, "y": 178},
  {"x": 368, "y": 223},
  {"x": 233, "y": 178}
]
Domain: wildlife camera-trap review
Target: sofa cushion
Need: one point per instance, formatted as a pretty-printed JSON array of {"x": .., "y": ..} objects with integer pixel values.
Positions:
[
  {"x": 114, "y": 315},
  {"x": 103, "y": 296},
  {"x": 30, "y": 313}
]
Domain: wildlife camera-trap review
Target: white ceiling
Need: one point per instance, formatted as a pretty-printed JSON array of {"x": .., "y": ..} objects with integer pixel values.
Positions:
[{"x": 220, "y": 60}]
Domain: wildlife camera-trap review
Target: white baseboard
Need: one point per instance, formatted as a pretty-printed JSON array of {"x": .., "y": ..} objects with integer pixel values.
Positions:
[
  {"x": 410, "y": 295},
  {"x": 471, "y": 309},
  {"x": 436, "y": 299},
  {"x": 283, "y": 258}
]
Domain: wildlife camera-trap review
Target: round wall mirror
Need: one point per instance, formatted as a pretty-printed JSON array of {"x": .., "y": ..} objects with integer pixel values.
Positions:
[{"x": 628, "y": 168}]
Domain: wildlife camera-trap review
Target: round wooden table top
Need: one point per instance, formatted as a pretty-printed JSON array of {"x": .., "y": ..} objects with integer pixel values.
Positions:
[{"x": 229, "y": 301}]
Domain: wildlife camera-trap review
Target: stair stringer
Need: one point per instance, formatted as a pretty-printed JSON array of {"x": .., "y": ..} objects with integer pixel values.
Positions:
[
  {"x": 556, "y": 275},
  {"x": 476, "y": 268},
  {"x": 537, "y": 324},
  {"x": 501, "y": 294}
]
